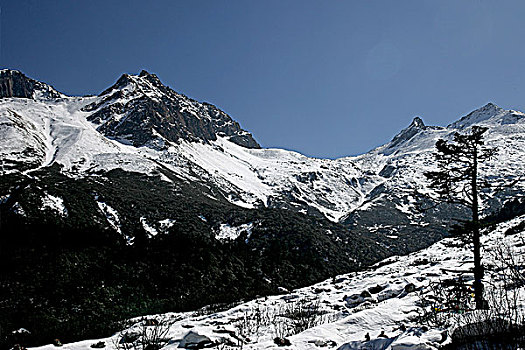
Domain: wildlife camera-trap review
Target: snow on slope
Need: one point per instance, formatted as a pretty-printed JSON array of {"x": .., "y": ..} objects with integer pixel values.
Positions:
[
  {"x": 39, "y": 132},
  {"x": 43, "y": 131},
  {"x": 232, "y": 232},
  {"x": 400, "y": 164},
  {"x": 21, "y": 141},
  {"x": 383, "y": 298},
  {"x": 61, "y": 134},
  {"x": 263, "y": 175},
  {"x": 250, "y": 177}
]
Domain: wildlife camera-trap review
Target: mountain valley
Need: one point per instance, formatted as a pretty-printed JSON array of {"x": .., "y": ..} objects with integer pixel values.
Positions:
[{"x": 141, "y": 200}]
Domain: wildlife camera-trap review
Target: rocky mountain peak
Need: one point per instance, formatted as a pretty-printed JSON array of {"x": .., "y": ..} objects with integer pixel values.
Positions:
[
  {"x": 149, "y": 76},
  {"x": 417, "y": 122},
  {"x": 140, "y": 110},
  {"x": 404, "y": 135},
  {"x": 14, "y": 83}
]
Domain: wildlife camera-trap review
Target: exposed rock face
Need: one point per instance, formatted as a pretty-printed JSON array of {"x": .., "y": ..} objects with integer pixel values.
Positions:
[
  {"x": 406, "y": 134},
  {"x": 142, "y": 111},
  {"x": 15, "y": 84},
  {"x": 193, "y": 340}
]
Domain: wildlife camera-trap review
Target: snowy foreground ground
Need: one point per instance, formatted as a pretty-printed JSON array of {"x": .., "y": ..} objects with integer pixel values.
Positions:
[{"x": 348, "y": 316}]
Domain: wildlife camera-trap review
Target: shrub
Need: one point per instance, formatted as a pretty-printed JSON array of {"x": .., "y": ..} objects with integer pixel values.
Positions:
[{"x": 151, "y": 335}]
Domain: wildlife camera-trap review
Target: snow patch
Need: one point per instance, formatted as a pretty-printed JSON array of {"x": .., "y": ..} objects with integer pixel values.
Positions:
[
  {"x": 167, "y": 223},
  {"x": 17, "y": 209},
  {"x": 55, "y": 204},
  {"x": 114, "y": 220},
  {"x": 152, "y": 231},
  {"x": 227, "y": 232}
]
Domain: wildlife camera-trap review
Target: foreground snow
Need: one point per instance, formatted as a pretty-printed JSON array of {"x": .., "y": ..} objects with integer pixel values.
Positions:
[{"x": 383, "y": 298}]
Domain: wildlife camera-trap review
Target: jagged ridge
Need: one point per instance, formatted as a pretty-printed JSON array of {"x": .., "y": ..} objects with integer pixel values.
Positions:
[
  {"x": 15, "y": 84},
  {"x": 143, "y": 111}
]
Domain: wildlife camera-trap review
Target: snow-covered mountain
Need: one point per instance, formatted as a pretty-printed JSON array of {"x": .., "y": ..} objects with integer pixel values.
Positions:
[
  {"x": 141, "y": 169},
  {"x": 139, "y": 124},
  {"x": 140, "y": 110}
]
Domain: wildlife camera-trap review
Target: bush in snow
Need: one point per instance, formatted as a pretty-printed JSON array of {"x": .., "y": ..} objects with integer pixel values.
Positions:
[{"x": 150, "y": 335}]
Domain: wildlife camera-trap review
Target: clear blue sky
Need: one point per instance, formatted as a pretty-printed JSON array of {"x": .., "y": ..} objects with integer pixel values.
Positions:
[{"x": 325, "y": 78}]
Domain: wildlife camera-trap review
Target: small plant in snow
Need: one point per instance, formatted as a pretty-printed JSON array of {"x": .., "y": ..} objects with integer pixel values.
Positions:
[
  {"x": 252, "y": 322},
  {"x": 284, "y": 320},
  {"x": 303, "y": 315},
  {"x": 297, "y": 317},
  {"x": 151, "y": 335}
]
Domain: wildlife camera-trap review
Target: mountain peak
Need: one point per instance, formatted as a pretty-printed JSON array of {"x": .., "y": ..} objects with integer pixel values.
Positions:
[
  {"x": 143, "y": 82},
  {"x": 490, "y": 105},
  {"x": 140, "y": 110},
  {"x": 417, "y": 122},
  {"x": 14, "y": 83},
  {"x": 152, "y": 78},
  {"x": 149, "y": 76},
  {"x": 404, "y": 135},
  {"x": 145, "y": 73},
  {"x": 124, "y": 80},
  {"x": 481, "y": 114},
  {"x": 489, "y": 108}
]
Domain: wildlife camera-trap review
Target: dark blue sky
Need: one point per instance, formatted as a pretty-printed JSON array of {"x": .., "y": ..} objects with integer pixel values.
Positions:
[{"x": 325, "y": 78}]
